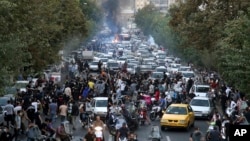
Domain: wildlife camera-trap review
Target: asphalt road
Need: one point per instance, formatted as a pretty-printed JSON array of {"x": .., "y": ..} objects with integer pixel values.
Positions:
[{"x": 142, "y": 133}]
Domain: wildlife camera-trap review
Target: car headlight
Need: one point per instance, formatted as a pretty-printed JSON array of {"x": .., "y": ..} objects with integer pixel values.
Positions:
[{"x": 182, "y": 121}]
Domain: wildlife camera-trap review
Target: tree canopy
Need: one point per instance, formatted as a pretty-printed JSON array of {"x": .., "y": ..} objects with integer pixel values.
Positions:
[
  {"x": 211, "y": 34},
  {"x": 33, "y": 32}
]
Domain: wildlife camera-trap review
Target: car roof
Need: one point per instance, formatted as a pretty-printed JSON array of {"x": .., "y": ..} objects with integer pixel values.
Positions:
[
  {"x": 22, "y": 81},
  {"x": 202, "y": 85},
  {"x": 187, "y": 71},
  {"x": 202, "y": 98},
  {"x": 161, "y": 67},
  {"x": 179, "y": 105},
  {"x": 100, "y": 98}
]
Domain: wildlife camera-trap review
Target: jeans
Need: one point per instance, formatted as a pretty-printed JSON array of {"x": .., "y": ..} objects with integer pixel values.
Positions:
[
  {"x": 53, "y": 117},
  {"x": 74, "y": 121},
  {"x": 63, "y": 118}
]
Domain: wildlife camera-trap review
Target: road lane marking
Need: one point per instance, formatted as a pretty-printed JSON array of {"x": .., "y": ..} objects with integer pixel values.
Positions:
[{"x": 168, "y": 138}]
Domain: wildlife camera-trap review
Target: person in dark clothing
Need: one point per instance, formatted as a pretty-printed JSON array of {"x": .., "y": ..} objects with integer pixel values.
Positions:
[
  {"x": 6, "y": 135},
  {"x": 247, "y": 114},
  {"x": 190, "y": 83},
  {"x": 90, "y": 136},
  {"x": 31, "y": 113},
  {"x": 218, "y": 122},
  {"x": 223, "y": 102},
  {"x": 214, "y": 135},
  {"x": 196, "y": 135},
  {"x": 122, "y": 132}
]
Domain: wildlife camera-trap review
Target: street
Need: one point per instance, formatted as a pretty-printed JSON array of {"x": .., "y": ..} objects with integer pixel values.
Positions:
[{"x": 142, "y": 132}]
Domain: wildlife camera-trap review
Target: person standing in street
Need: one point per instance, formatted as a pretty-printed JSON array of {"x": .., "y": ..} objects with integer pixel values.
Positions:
[
  {"x": 74, "y": 114},
  {"x": 214, "y": 135},
  {"x": 197, "y": 135},
  {"x": 9, "y": 115},
  {"x": 63, "y": 111},
  {"x": 53, "y": 110}
]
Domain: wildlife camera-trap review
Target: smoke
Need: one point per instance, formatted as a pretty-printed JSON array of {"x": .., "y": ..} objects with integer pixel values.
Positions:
[
  {"x": 111, "y": 8},
  {"x": 151, "y": 40}
]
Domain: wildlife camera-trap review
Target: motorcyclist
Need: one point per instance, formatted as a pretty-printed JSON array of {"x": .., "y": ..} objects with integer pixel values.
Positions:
[
  {"x": 98, "y": 122},
  {"x": 123, "y": 132},
  {"x": 61, "y": 133},
  {"x": 124, "y": 111},
  {"x": 145, "y": 115}
]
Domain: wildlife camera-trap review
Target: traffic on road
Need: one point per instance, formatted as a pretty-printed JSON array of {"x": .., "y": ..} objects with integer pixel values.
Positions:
[{"x": 121, "y": 88}]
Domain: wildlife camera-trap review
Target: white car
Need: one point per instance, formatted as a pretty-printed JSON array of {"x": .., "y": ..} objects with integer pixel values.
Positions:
[
  {"x": 94, "y": 66},
  {"x": 132, "y": 68},
  {"x": 121, "y": 60},
  {"x": 156, "y": 75},
  {"x": 187, "y": 74},
  {"x": 200, "y": 90},
  {"x": 21, "y": 85},
  {"x": 99, "y": 106},
  {"x": 203, "y": 107},
  {"x": 173, "y": 67},
  {"x": 162, "y": 69},
  {"x": 98, "y": 56},
  {"x": 184, "y": 68}
]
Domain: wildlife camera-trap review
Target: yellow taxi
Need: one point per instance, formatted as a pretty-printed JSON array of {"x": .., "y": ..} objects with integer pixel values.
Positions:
[{"x": 178, "y": 116}]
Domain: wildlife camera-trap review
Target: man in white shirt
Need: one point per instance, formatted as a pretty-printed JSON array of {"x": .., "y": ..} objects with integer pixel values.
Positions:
[
  {"x": 35, "y": 104},
  {"x": 67, "y": 91},
  {"x": 17, "y": 108},
  {"x": 9, "y": 115}
]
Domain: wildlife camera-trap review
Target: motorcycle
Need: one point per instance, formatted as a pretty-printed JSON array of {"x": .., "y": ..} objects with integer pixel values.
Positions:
[
  {"x": 142, "y": 117},
  {"x": 86, "y": 119},
  {"x": 156, "y": 111},
  {"x": 99, "y": 133}
]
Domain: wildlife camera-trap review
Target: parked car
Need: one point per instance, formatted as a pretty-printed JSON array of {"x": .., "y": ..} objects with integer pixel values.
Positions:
[
  {"x": 203, "y": 107},
  {"x": 21, "y": 85},
  {"x": 178, "y": 116}
]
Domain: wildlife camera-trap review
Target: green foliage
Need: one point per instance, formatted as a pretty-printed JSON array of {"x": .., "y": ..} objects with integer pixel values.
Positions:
[
  {"x": 234, "y": 51},
  {"x": 93, "y": 15},
  {"x": 211, "y": 34},
  {"x": 33, "y": 32}
]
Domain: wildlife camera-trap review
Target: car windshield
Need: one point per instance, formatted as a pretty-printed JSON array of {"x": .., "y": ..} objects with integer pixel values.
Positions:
[
  {"x": 3, "y": 101},
  {"x": 21, "y": 85},
  {"x": 123, "y": 59},
  {"x": 94, "y": 63},
  {"x": 161, "y": 64},
  {"x": 130, "y": 65},
  {"x": 202, "y": 89},
  {"x": 104, "y": 60},
  {"x": 161, "y": 70},
  {"x": 157, "y": 75},
  {"x": 188, "y": 74},
  {"x": 101, "y": 103},
  {"x": 176, "y": 110},
  {"x": 199, "y": 102},
  {"x": 113, "y": 64},
  {"x": 184, "y": 69}
]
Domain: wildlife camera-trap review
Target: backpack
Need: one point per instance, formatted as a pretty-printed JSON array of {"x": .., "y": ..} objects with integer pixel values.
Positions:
[{"x": 34, "y": 133}]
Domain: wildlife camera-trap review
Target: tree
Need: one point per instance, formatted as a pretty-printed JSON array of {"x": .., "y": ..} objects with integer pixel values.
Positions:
[
  {"x": 33, "y": 32},
  {"x": 234, "y": 50}
]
